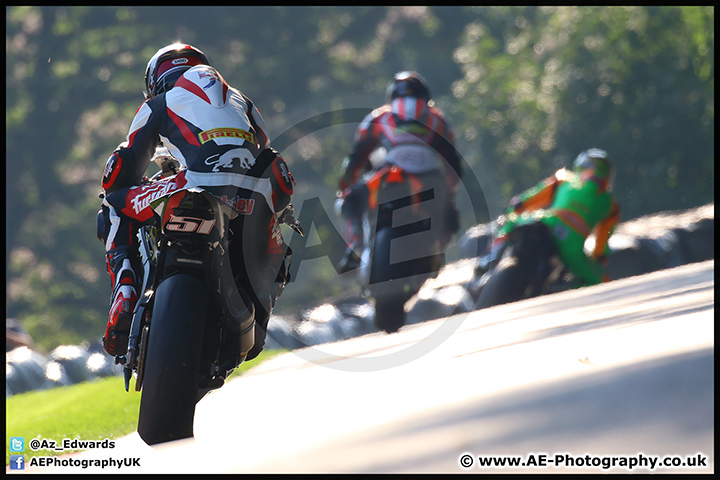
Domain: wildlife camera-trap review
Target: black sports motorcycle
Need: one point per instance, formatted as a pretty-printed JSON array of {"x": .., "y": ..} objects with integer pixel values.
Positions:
[{"x": 188, "y": 331}]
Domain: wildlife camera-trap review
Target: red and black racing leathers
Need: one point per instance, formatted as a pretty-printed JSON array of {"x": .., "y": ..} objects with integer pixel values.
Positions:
[{"x": 415, "y": 137}]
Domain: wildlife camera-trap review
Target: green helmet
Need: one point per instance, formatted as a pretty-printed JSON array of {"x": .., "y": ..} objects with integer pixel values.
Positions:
[{"x": 598, "y": 162}]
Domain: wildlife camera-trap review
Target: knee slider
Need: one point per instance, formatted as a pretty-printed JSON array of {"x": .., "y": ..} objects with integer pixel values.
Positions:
[{"x": 102, "y": 223}]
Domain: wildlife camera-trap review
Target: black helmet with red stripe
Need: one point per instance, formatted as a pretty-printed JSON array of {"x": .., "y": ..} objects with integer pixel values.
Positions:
[
  {"x": 168, "y": 64},
  {"x": 407, "y": 84}
]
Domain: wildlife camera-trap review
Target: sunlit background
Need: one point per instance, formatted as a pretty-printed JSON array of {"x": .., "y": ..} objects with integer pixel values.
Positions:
[{"x": 525, "y": 88}]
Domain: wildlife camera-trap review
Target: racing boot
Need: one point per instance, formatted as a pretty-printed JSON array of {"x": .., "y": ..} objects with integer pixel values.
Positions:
[{"x": 124, "y": 298}]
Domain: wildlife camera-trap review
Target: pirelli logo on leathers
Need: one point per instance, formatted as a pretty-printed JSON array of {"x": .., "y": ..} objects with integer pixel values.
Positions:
[{"x": 208, "y": 135}]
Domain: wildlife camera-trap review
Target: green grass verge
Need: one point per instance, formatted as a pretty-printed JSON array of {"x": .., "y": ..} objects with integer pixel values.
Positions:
[{"x": 93, "y": 410}]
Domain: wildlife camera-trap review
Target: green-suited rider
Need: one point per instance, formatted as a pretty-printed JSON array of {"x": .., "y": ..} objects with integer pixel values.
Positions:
[{"x": 573, "y": 204}]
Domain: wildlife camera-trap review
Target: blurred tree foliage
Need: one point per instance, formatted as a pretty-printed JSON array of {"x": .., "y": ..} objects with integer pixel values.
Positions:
[
  {"x": 526, "y": 89},
  {"x": 540, "y": 84}
]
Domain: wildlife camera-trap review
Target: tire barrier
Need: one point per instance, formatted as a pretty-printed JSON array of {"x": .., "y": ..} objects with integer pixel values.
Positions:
[{"x": 638, "y": 246}]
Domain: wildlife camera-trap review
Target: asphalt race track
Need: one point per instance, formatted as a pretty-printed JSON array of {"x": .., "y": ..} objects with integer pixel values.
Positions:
[{"x": 605, "y": 379}]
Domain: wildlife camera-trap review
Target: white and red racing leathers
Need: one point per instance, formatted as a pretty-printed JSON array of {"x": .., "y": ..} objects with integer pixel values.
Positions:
[{"x": 217, "y": 133}]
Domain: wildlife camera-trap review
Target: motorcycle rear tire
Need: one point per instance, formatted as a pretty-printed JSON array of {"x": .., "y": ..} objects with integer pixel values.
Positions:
[
  {"x": 390, "y": 292},
  {"x": 507, "y": 284},
  {"x": 389, "y": 314},
  {"x": 170, "y": 383}
]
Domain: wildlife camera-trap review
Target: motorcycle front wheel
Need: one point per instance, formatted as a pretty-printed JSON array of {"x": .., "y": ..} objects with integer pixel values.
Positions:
[{"x": 170, "y": 381}]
